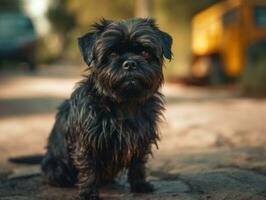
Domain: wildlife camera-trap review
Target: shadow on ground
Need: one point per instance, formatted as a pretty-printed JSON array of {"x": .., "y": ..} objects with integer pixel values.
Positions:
[
  {"x": 213, "y": 175},
  {"x": 28, "y": 106}
]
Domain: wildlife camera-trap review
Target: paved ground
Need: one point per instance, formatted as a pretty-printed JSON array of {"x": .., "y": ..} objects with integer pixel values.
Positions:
[{"x": 213, "y": 142}]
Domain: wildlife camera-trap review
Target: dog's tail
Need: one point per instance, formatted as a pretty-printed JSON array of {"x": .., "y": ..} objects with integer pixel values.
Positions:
[{"x": 30, "y": 160}]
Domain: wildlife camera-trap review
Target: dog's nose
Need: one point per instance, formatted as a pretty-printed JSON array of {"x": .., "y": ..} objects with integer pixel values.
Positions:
[{"x": 129, "y": 64}]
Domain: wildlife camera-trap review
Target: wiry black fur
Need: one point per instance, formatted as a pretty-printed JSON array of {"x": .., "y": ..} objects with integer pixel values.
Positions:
[{"x": 110, "y": 121}]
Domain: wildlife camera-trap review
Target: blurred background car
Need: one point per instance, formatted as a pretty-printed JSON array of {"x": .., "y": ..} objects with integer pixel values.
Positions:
[{"x": 17, "y": 38}]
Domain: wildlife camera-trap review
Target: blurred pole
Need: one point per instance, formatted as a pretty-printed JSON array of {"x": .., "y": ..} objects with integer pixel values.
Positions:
[{"x": 143, "y": 8}]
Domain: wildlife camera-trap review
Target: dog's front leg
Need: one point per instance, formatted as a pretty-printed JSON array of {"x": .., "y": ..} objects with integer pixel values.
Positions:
[
  {"x": 137, "y": 175},
  {"x": 87, "y": 177}
]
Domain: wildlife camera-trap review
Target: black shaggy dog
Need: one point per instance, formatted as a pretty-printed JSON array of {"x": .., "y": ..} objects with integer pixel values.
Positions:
[{"x": 110, "y": 121}]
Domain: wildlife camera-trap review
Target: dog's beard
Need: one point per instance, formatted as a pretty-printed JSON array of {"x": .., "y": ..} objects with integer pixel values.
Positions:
[
  {"x": 128, "y": 86},
  {"x": 131, "y": 86}
]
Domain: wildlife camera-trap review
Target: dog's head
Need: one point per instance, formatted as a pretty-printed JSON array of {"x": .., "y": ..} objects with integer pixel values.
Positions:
[{"x": 126, "y": 57}]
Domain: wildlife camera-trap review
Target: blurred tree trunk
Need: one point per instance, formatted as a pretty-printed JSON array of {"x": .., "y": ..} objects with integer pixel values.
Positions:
[
  {"x": 62, "y": 21},
  {"x": 143, "y": 8}
]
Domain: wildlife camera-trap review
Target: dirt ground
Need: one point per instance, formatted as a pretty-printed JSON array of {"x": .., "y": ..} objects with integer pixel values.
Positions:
[{"x": 213, "y": 143}]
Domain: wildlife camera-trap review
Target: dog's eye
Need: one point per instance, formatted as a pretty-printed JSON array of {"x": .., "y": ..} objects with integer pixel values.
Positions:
[{"x": 145, "y": 53}]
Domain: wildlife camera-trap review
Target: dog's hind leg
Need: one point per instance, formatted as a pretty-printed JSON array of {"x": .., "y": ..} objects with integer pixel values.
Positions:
[{"x": 57, "y": 173}]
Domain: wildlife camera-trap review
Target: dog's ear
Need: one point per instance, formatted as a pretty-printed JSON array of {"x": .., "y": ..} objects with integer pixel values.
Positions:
[
  {"x": 165, "y": 38},
  {"x": 86, "y": 46},
  {"x": 166, "y": 44},
  {"x": 87, "y": 41}
]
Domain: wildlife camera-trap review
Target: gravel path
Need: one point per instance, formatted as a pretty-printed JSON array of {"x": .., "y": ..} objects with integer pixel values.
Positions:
[{"x": 213, "y": 143}]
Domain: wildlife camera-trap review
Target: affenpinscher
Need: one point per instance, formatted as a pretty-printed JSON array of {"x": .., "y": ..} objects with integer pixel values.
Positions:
[{"x": 110, "y": 122}]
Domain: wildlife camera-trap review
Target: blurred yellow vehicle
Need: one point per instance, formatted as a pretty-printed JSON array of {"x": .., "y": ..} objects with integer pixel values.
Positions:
[{"x": 223, "y": 37}]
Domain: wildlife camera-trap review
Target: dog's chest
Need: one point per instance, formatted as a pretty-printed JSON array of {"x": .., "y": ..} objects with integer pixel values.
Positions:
[
  {"x": 126, "y": 138},
  {"x": 123, "y": 133},
  {"x": 117, "y": 137}
]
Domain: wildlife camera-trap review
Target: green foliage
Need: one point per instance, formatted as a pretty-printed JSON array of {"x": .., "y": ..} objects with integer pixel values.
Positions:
[
  {"x": 253, "y": 81},
  {"x": 10, "y": 4},
  {"x": 71, "y": 18},
  {"x": 198, "y": 6},
  {"x": 175, "y": 17},
  {"x": 60, "y": 17},
  {"x": 87, "y": 12}
]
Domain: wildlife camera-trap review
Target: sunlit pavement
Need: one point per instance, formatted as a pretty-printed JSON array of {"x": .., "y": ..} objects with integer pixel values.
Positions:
[{"x": 212, "y": 147}]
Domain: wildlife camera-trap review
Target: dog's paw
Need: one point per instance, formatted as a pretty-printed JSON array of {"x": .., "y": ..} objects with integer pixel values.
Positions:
[
  {"x": 142, "y": 187},
  {"x": 88, "y": 197}
]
